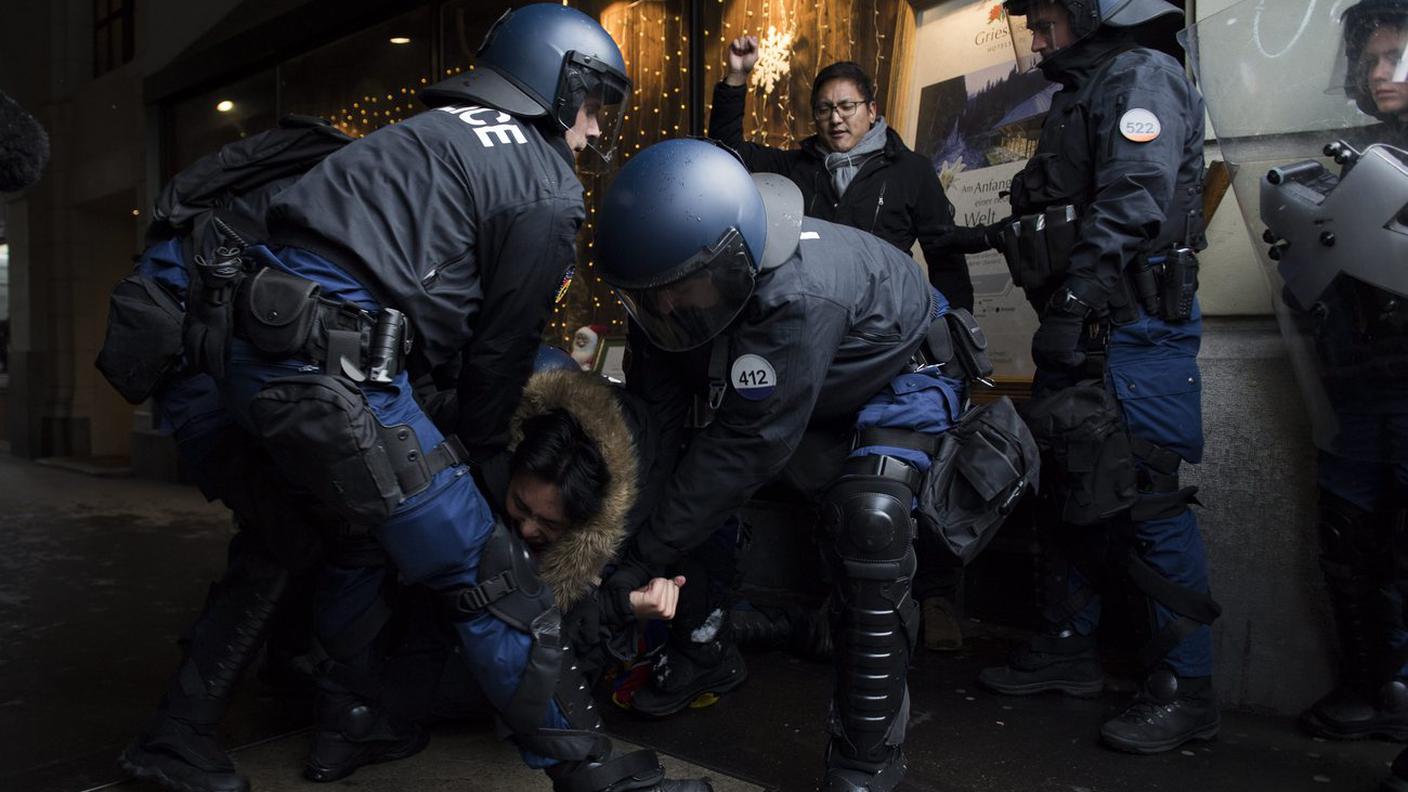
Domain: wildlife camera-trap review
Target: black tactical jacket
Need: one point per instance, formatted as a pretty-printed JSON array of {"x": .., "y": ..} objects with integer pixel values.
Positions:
[
  {"x": 895, "y": 196},
  {"x": 463, "y": 218},
  {"x": 821, "y": 334},
  {"x": 1132, "y": 197}
]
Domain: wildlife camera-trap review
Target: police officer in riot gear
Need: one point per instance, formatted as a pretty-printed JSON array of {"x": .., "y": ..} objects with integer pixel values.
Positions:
[
  {"x": 282, "y": 536},
  {"x": 442, "y": 237},
  {"x": 780, "y": 325},
  {"x": 1329, "y": 202},
  {"x": 1107, "y": 216},
  {"x": 1348, "y": 297}
]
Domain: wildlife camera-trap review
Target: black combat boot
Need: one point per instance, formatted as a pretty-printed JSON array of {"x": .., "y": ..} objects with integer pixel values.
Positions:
[
  {"x": 847, "y": 775},
  {"x": 178, "y": 748},
  {"x": 1168, "y": 712},
  {"x": 1064, "y": 662},
  {"x": 639, "y": 771},
  {"x": 1367, "y": 701},
  {"x": 352, "y": 732},
  {"x": 1350, "y": 713}
]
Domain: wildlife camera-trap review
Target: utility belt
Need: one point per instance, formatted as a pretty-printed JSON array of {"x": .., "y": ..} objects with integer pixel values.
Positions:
[
  {"x": 284, "y": 316},
  {"x": 1038, "y": 247},
  {"x": 321, "y": 422}
]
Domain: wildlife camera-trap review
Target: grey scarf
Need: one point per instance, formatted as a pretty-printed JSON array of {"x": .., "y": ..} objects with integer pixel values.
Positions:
[{"x": 844, "y": 166}]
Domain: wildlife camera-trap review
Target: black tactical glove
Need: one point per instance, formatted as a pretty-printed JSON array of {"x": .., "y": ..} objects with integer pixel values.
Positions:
[
  {"x": 972, "y": 240},
  {"x": 1057, "y": 343}
]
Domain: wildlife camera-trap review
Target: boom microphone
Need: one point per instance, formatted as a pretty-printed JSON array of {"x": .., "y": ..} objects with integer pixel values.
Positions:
[{"x": 24, "y": 147}]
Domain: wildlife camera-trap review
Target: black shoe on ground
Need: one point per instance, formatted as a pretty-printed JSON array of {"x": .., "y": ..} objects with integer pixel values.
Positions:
[
  {"x": 332, "y": 756},
  {"x": 638, "y": 771},
  {"x": 1346, "y": 713},
  {"x": 1064, "y": 663},
  {"x": 1168, "y": 712},
  {"x": 844, "y": 775},
  {"x": 676, "y": 680},
  {"x": 352, "y": 733},
  {"x": 182, "y": 757}
]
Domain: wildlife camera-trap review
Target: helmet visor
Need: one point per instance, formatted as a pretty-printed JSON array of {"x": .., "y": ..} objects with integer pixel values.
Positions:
[
  {"x": 700, "y": 301},
  {"x": 1371, "y": 66},
  {"x": 596, "y": 97}
]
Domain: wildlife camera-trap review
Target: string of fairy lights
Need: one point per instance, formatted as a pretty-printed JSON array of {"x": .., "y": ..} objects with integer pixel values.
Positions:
[{"x": 654, "y": 40}]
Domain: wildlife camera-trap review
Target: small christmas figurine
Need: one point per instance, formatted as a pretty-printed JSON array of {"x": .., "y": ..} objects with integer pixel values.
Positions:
[{"x": 585, "y": 343}]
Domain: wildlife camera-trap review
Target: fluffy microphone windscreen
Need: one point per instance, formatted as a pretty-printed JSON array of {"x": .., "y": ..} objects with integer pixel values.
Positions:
[{"x": 24, "y": 147}]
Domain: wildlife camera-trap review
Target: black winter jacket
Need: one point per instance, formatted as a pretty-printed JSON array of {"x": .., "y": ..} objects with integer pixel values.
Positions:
[
  {"x": 1132, "y": 197},
  {"x": 896, "y": 196},
  {"x": 831, "y": 326}
]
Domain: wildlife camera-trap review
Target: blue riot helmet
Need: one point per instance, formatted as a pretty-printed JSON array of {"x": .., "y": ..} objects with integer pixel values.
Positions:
[
  {"x": 1041, "y": 18},
  {"x": 553, "y": 358},
  {"x": 545, "y": 60},
  {"x": 684, "y": 233}
]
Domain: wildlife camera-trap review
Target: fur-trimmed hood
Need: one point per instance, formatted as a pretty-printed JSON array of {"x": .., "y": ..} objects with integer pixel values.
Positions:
[{"x": 573, "y": 563}]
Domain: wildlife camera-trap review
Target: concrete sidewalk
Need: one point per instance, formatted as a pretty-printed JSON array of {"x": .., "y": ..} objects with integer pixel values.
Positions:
[{"x": 98, "y": 576}]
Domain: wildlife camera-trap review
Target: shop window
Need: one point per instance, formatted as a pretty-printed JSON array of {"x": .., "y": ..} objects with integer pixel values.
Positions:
[
  {"x": 201, "y": 124},
  {"x": 114, "y": 36},
  {"x": 463, "y": 24},
  {"x": 364, "y": 81},
  {"x": 654, "y": 41}
]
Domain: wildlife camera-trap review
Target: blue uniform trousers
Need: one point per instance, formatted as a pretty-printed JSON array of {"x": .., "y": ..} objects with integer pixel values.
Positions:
[
  {"x": 1152, "y": 369},
  {"x": 434, "y": 538}
]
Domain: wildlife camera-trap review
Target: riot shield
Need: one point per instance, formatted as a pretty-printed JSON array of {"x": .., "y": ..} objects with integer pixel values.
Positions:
[{"x": 1308, "y": 103}]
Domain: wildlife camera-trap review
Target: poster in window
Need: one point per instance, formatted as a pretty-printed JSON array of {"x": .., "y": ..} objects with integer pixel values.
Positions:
[{"x": 977, "y": 108}]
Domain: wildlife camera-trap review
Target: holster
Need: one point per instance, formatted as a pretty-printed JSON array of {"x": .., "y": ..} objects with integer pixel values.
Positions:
[
  {"x": 1086, "y": 449},
  {"x": 1166, "y": 285},
  {"x": 210, "y": 309},
  {"x": 322, "y": 430}
]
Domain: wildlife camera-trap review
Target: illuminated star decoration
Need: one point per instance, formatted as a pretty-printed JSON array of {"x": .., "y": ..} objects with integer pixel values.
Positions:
[{"x": 774, "y": 52}]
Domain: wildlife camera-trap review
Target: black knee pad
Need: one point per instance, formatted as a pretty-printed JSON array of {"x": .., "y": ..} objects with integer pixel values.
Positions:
[{"x": 869, "y": 516}]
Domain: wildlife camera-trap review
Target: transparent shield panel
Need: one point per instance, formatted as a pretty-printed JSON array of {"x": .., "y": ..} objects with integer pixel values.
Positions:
[{"x": 1326, "y": 222}]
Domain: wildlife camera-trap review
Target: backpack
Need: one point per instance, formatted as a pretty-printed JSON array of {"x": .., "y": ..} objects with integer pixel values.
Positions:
[
  {"x": 217, "y": 201},
  {"x": 983, "y": 467}
]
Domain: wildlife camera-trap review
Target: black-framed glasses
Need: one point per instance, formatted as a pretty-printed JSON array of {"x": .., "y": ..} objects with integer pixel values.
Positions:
[{"x": 846, "y": 108}]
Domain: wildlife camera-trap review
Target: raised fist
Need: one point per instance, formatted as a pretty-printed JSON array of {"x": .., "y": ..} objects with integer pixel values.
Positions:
[{"x": 742, "y": 56}]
